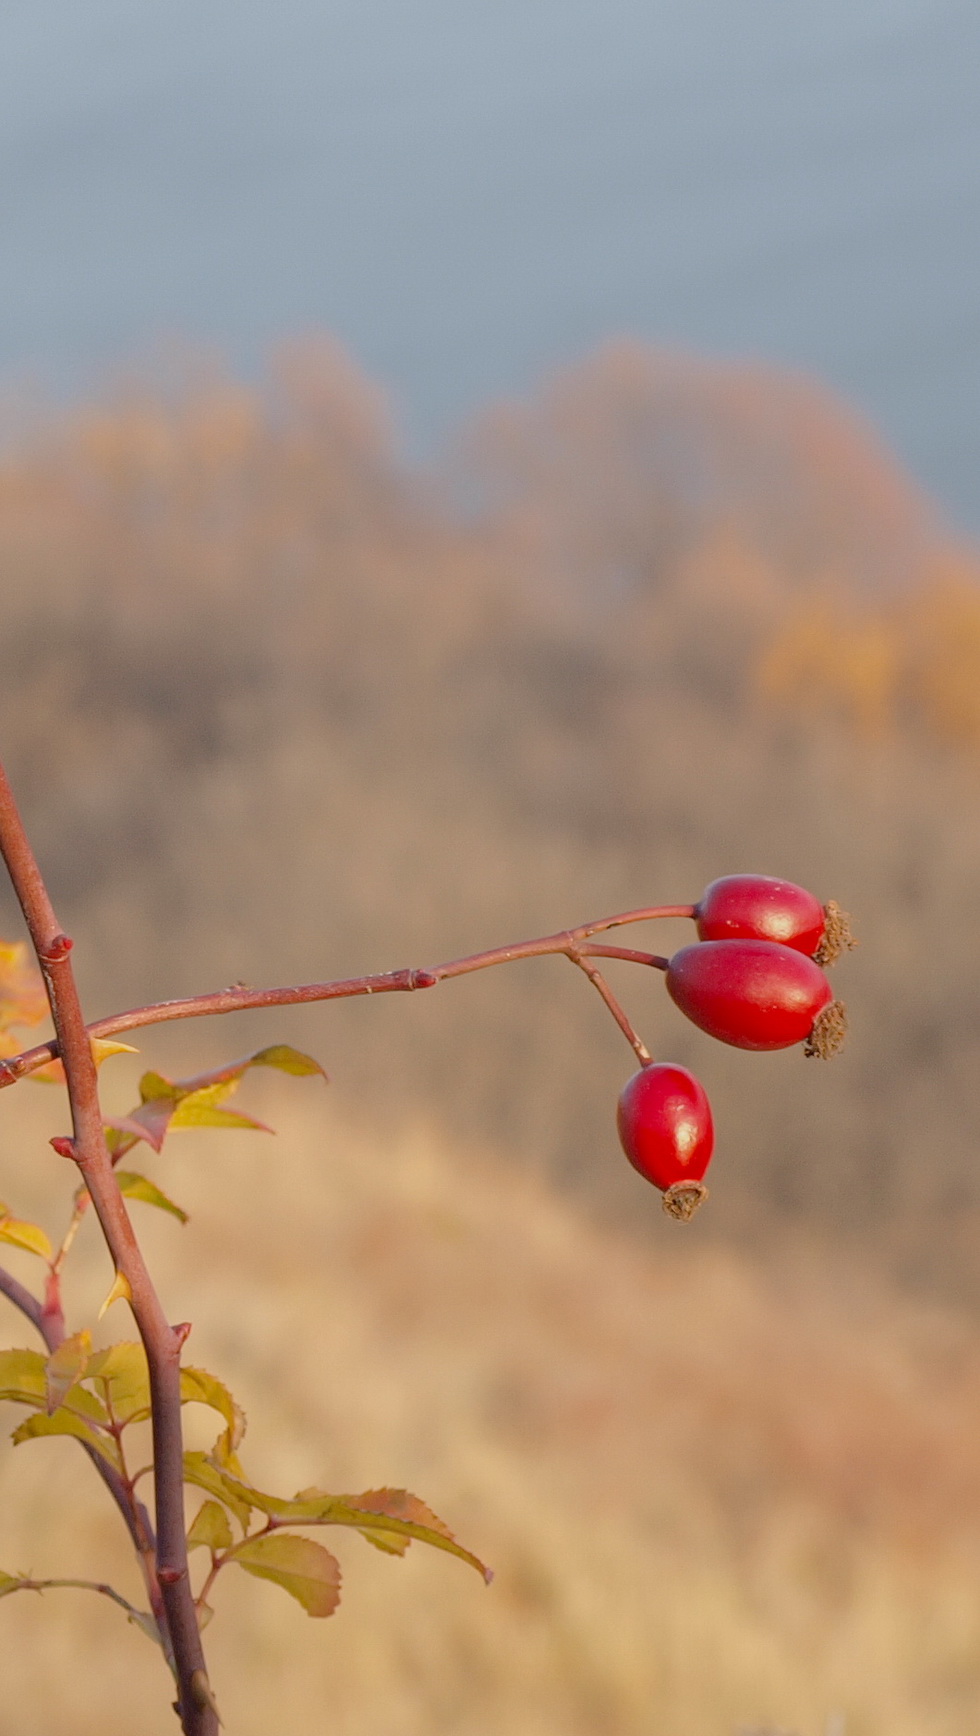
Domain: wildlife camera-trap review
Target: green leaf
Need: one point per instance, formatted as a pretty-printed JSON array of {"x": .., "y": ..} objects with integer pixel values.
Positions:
[
  {"x": 123, "y": 1375},
  {"x": 10, "y": 1582},
  {"x": 24, "y": 1380},
  {"x": 210, "y": 1529},
  {"x": 288, "y": 1060},
  {"x": 199, "y": 1387},
  {"x": 64, "y": 1423},
  {"x": 138, "y": 1187},
  {"x": 66, "y": 1366},
  {"x": 21, "y": 1234},
  {"x": 303, "y": 1568},
  {"x": 200, "y": 1470}
]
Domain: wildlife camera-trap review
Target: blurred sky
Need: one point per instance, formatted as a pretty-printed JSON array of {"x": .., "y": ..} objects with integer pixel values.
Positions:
[{"x": 470, "y": 191}]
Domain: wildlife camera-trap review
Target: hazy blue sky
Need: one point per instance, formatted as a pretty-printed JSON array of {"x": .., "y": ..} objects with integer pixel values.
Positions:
[{"x": 470, "y": 191}]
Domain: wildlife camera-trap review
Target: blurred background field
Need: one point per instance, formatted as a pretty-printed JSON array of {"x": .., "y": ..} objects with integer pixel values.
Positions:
[
  {"x": 327, "y": 713},
  {"x": 716, "y": 1497},
  {"x": 281, "y": 708}
]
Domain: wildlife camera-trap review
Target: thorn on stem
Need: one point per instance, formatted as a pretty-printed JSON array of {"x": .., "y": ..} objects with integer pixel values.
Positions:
[{"x": 182, "y": 1331}]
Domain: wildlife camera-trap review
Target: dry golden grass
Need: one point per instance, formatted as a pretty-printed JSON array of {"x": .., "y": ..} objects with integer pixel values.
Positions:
[{"x": 714, "y": 1495}]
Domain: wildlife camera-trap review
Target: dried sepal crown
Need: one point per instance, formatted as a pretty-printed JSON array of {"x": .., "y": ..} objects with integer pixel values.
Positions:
[{"x": 838, "y": 936}]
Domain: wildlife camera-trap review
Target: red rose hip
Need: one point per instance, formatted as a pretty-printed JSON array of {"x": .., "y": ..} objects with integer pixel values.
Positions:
[
  {"x": 666, "y": 1131},
  {"x": 756, "y": 994},
  {"x": 758, "y": 907}
]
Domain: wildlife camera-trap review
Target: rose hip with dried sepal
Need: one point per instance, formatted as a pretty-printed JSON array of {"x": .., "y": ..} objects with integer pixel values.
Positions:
[
  {"x": 757, "y": 994},
  {"x": 758, "y": 907},
  {"x": 666, "y": 1131}
]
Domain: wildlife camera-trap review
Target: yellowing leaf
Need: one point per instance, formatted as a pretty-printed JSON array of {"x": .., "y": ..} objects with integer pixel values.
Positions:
[
  {"x": 66, "y": 1365},
  {"x": 22, "y": 997},
  {"x": 399, "y": 1504},
  {"x": 154, "y": 1085},
  {"x": 287, "y": 1060},
  {"x": 200, "y": 1470},
  {"x": 303, "y": 1568},
  {"x": 388, "y": 1513},
  {"x": 10, "y": 1582},
  {"x": 197, "y": 1103},
  {"x": 23, "y": 1376},
  {"x": 24, "y": 1380},
  {"x": 124, "y": 1377},
  {"x": 65, "y": 1423},
  {"x": 202, "y": 1109},
  {"x": 199, "y": 1387},
  {"x": 138, "y": 1187},
  {"x": 120, "y": 1292},
  {"x": 210, "y": 1529},
  {"x": 21, "y": 1234},
  {"x": 122, "y": 1372}
]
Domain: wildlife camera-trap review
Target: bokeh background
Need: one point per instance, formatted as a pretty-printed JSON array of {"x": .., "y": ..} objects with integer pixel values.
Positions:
[{"x": 465, "y": 470}]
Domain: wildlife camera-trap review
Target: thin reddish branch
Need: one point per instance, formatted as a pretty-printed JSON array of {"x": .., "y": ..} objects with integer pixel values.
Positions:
[
  {"x": 570, "y": 942},
  {"x": 21, "y": 1297},
  {"x": 48, "y": 1321},
  {"x": 161, "y": 1341}
]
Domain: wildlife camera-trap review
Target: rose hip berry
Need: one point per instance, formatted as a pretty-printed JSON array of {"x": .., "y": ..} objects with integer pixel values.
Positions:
[
  {"x": 756, "y": 994},
  {"x": 757, "y": 907},
  {"x": 667, "y": 1133}
]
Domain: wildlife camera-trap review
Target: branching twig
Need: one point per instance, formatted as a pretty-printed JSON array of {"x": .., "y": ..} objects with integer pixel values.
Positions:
[
  {"x": 570, "y": 942},
  {"x": 26, "y": 1583},
  {"x": 161, "y": 1341}
]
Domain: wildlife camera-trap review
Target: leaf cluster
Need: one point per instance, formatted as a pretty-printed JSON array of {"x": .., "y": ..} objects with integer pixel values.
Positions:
[{"x": 97, "y": 1396}]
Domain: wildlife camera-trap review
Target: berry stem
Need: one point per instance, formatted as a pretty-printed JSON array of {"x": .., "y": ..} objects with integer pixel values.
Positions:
[
  {"x": 599, "y": 982},
  {"x": 655, "y": 959}
]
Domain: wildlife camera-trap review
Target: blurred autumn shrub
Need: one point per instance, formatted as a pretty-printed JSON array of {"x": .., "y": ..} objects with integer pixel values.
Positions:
[{"x": 330, "y": 712}]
